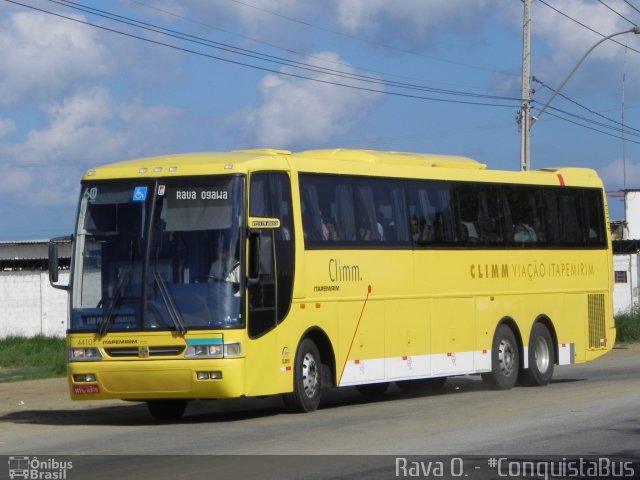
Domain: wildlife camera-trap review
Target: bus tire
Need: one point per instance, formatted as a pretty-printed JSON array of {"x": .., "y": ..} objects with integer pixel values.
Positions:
[
  {"x": 541, "y": 357},
  {"x": 307, "y": 379},
  {"x": 165, "y": 410},
  {"x": 505, "y": 360}
]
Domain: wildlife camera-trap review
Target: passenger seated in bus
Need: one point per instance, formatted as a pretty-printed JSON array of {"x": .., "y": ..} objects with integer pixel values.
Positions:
[
  {"x": 421, "y": 231},
  {"x": 364, "y": 231},
  {"x": 415, "y": 229},
  {"x": 332, "y": 229},
  {"x": 469, "y": 232},
  {"x": 524, "y": 233},
  {"x": 379, "y": 222}
]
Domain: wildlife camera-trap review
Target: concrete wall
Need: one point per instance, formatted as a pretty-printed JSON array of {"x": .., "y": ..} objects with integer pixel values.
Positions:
[{"x": 30, "y": 306}]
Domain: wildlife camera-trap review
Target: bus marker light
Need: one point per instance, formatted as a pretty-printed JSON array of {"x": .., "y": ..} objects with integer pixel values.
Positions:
[
  {"x": 202, "y": 375},
  {"x": 216, "y": 375},
  {"x": 142, "y": 170},
  {"x": 173, "y": 169},
  {"x": 228, "y": 166},
  {"x": 157, "y": 169}
]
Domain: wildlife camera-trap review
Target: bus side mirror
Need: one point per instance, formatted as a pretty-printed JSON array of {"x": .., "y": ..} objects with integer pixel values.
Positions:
[{"x": 53, "y": 262}]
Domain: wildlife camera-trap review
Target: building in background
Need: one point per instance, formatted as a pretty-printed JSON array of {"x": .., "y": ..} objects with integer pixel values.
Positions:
[
  {"x": 626, "y": 245},
  {"x": 28, "y": 304}
]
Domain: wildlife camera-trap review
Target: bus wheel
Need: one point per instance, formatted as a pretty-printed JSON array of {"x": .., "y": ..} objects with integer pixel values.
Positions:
[
  {"x": 307, "y": 379},
  {"x": 505, "y": 360},
  {"x": 166, "y": 409},
  {"x": 423, "y": 385},
  {"x": 541, "y": 357},
  {"x": 373, "y": 389}
]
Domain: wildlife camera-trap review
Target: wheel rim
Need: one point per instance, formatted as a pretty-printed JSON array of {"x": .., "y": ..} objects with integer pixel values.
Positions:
[
  {"x": 506, "y": 357},
  {"x": 310, "y": 375},
  {"x": 541, "y": 354}
]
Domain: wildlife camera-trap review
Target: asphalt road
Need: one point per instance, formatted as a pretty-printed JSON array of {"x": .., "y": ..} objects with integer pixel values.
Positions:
[{"x": 588, "y": 410}]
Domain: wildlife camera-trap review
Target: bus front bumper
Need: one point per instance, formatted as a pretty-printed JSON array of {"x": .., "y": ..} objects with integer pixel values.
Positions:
[{"x": 157, "y": 379}]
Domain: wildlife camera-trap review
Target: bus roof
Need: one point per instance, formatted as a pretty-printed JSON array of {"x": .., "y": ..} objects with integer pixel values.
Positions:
[{"x": 345, "y": 161}]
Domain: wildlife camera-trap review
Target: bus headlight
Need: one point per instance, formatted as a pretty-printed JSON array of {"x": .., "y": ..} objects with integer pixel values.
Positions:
[
  {"x": 214, "y": 350},
  {"x": 84, "y": 354},
  {"x": 204, "y": 351}
]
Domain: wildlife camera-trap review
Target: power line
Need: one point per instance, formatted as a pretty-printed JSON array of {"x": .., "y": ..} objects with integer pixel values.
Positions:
[
  {"x": 354, "y": 37},
  {"x": 632, "y": 6},
  {"x": 622, "y": 125},
  {"x": 585, "y": 26},
  {"x": 306, "y": 55},
  {"x": 265, "y": 57},
  {"x": 291, "y": 63},
  {"x": 616, "y": 12}
]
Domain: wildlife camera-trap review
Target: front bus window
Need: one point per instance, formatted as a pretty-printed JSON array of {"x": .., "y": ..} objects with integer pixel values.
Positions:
[
  {"x": 194, "y": 278},
  {"x": 109, "y": 256},
  {"x": 149, "y": 256}
]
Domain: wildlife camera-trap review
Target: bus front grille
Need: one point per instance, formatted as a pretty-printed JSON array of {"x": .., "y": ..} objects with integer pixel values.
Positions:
[
  {"x": 597, "y": 337},
  {"x": 168, "y": 351}
]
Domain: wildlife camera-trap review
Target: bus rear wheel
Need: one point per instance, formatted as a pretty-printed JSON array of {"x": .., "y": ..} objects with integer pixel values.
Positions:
[
  {"x": 307, "y": 379},
  {"x": 505, "y": 360},
  {"x": 541, "y": 357},
  {"x": 165, "y": 410}
]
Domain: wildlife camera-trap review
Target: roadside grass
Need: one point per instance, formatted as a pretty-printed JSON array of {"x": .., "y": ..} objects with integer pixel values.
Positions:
[
  {"x": 28, "y": 358},
  {"x": 628, "y": 326}
]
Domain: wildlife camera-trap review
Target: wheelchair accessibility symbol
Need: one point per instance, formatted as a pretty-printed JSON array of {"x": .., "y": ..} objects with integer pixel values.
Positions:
[{"x": 139, "y": 194}]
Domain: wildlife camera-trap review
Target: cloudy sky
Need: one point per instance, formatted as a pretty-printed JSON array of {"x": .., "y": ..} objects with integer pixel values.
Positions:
[{"x": 90, "y": 82}]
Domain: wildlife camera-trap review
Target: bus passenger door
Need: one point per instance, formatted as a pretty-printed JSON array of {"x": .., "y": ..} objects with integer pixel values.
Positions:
[{"x": 270, "y": 284}]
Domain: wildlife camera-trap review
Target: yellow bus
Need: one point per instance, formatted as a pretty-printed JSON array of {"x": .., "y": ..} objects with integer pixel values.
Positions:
[{"x": 262, "y": 272}]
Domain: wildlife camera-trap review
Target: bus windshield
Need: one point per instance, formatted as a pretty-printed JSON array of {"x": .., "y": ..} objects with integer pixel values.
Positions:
[{"x": 162, "y": 255}]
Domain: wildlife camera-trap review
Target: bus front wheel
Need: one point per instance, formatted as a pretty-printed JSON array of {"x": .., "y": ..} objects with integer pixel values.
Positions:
[
  {"x": 541, "y": 357},
  {"x": 307, "y": 379},
  {"x": 505, "y": 360}
]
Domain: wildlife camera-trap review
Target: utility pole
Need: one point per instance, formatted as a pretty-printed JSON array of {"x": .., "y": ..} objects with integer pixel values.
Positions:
[{"x": 525, "y": 111}]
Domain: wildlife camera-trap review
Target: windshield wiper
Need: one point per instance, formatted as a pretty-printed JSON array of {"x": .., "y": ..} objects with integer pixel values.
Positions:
[
  {"x": 174, "y": 313},
  {"x": 103, "y": 327}
]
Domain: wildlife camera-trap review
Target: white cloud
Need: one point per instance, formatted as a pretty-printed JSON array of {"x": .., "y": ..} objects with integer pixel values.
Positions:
[
  {"x": 296, "y": 112},
  {"x": 614, "y": 173},
  {"x": 85, "y": 129},
  {"x": 43, "y": 56},
  {"x": 413, "y": 23}
]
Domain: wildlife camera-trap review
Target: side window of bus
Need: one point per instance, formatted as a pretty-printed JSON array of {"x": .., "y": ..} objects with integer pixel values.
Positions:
[
  {"x": 466, "y": 208},
  {"x": 524, "y": 219},
  {"x": 270, "y": 297},
  {"x": 328, "y": 213},
  {"x": 570, "y": 216},
  {"x": 430, "y": 214},
  {"x": 593, "y": 208}
]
